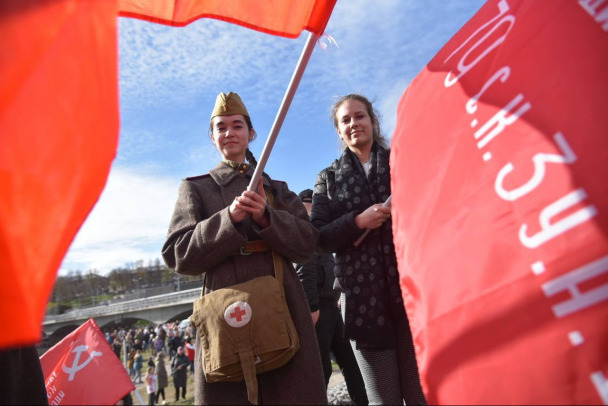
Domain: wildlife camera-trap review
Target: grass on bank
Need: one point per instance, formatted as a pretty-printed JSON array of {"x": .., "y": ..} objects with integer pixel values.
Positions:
[{"x": 169, "y": 390}]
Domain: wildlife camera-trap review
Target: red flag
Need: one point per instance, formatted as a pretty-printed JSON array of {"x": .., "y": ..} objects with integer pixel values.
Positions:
[
  {"x": 58, "y": 137},
  {"x": 500, "y": 207},
  {"x": 82, "y": 369},
  {"x": 282, "y": 18}
]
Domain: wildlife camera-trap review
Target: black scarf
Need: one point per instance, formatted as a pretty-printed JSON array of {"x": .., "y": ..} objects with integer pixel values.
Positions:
[{"x": 368, "y": 274}]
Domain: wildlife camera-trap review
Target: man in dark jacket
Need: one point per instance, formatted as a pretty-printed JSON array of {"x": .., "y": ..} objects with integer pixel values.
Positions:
[
  {"x": 317, "y": 277},
  {"x": 179, "y": 370}
]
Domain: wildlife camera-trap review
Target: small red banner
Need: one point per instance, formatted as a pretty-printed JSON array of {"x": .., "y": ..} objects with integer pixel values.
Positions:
[{"x": 82, "y": 369}]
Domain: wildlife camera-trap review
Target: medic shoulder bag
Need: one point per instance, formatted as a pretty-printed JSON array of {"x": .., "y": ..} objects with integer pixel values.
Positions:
[{"x": 245, "y": 329}]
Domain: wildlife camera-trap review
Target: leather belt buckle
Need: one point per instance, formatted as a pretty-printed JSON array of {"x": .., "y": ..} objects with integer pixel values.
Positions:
[{"x": 244, "y": 252}]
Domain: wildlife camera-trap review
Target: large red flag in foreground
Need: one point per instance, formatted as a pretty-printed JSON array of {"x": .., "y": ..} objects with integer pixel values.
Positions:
[
  {"x": 500, "y": 207},
  {"x": 58, "y": 137},
  {"x": 82, "y": 369},
  {"x": 59, "y": 124}
]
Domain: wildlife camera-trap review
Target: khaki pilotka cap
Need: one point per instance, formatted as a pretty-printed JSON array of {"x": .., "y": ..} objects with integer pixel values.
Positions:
[{"x": 229, "y": 104}]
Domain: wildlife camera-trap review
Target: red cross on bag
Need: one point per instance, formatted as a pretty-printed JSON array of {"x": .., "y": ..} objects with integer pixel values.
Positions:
[{"x": 238, "y": 314}]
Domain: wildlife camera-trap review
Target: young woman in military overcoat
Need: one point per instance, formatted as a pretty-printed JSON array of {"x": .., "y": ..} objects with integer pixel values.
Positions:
[
  {"x": 347, "y": 200},
  {"x": 215, "y": 217}
]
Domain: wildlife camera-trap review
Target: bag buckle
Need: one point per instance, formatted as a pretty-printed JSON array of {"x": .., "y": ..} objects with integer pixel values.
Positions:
[{"x": 244, "y": 252}]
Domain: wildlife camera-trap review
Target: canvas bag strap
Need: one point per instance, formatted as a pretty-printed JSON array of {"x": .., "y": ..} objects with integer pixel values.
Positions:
[
  {"x": 276, "y": 258},
  {"x": 249, "y": 373}
]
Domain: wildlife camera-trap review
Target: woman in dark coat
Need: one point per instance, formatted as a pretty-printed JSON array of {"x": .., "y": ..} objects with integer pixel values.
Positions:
[
  {"x": 163, "y": 379},
  {"x": 213, "y": 219},
  {"x": 347, "y": 200}
]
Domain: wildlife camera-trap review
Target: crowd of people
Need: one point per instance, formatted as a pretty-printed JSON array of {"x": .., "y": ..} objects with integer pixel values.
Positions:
[
  {"x": 353, "y": 303},
  {"x": 168, "y": 346}
]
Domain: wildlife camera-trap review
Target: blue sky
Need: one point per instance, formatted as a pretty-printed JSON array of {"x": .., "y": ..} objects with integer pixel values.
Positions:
[{"x": 169, "y": 78}]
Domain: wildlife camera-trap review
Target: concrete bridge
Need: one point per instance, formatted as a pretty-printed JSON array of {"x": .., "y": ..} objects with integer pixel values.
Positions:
[{"x": 156, "y": 309}]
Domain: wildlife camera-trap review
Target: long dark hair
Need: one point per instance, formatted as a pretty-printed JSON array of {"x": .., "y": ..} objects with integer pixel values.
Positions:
[{"x": 374, "y": 115}]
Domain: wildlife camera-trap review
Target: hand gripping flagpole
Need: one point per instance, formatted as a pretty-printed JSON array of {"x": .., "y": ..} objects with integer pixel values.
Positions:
[
  {"x": 278, "y": 121},
  {"x": 387, "y": 203}
]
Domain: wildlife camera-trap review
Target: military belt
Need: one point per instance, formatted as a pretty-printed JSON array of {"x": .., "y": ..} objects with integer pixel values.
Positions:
[{"x": 252, "y": 246}]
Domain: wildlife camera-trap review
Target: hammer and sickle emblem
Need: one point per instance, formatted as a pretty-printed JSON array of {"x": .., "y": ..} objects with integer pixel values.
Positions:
[{"x": 75, "y": 365}]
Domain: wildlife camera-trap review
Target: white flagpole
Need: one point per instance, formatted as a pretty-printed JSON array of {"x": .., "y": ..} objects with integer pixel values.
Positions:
[
  {"x": 141, "y": 401},
  {"x": 278, "y": 121},
  {"x": 387, "y": 203}
]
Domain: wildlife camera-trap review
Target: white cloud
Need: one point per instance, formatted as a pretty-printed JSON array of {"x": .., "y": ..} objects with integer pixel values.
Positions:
[
  {"x": 169, "y": 64},
  {"x": 388, "y": 107},
  {"x": 128, "y": 223}
]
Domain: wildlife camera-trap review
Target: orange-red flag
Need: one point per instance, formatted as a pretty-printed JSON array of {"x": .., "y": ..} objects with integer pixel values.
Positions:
[
  {"x": 282, "y": 18},
  {"x": 58, "y": 137},
  {"x": 500, "y": 207},
  {"x": 82, "y": 369}
]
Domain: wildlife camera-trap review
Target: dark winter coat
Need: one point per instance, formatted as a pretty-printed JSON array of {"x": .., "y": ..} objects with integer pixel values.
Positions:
[
  {"x": 367, "y": 274},
  {"x": 176, "y": 342},
  {"x": 179, "y": 370},
  {"x": 161, "y": 371},
  {"x": 203, "y": 239},
  {"x": 22, "y": 379},
  {"x": 317, "y": 277}
]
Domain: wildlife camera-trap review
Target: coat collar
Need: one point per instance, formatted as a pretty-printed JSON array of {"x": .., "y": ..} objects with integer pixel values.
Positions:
[
  {"x": 223, "y": 174},
  {"x": 348, "y": 161}
]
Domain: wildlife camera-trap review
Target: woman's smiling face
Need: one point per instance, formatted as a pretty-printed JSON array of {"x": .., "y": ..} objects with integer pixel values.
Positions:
[
  {"x": 354, "y": 124},
  {"x": 231, "y": 136}
]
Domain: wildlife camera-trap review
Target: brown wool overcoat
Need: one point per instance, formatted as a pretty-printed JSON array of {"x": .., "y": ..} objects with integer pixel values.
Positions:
[{"x": 203, "y": 239}]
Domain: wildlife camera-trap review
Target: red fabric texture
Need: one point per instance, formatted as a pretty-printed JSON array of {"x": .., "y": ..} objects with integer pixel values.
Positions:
[
  {"x": 58, "y": 137},
  {"x": 82, "y": 369},
  {"x": 281, "y": 18},
  {"x": 500, "y": 207},
  {"x": 190, "y": 352}
]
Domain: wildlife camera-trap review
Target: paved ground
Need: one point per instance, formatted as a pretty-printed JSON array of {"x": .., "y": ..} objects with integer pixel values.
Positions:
[{"x": 335, "y": 378}]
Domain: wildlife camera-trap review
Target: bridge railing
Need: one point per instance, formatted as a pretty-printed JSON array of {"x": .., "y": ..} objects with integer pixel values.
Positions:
[{"x": 127, "y": 306}]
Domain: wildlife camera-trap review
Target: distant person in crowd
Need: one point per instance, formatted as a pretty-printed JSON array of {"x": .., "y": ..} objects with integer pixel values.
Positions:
[
  {"x": 139, "y": 336},
  {"x": 129, "y": 339},
  {"x": 179, "y": 370},
  {"x": 190, "y": 352},
  {"x": 162, "y": 332},
  {"x": 151, "y": 362},
  {"x": 151, "y": 381},
  {"x": 348, "y": 199},
  {"x": 159, "y": 344},
  {"x": 137, "y": 345},
  {"x": 131, "y": 364},
  {"x": 163, "y": 379},
  {"x": 116, "y": 346},
  {"x": 146, "y": 338},
  {"x": 175, "y": 341},
  {"x": 215, "y": 221},
  {"x": 138, "y": 364},
  {"x": 317, "y": 277},
  {"x": 170, "y": 337}
]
